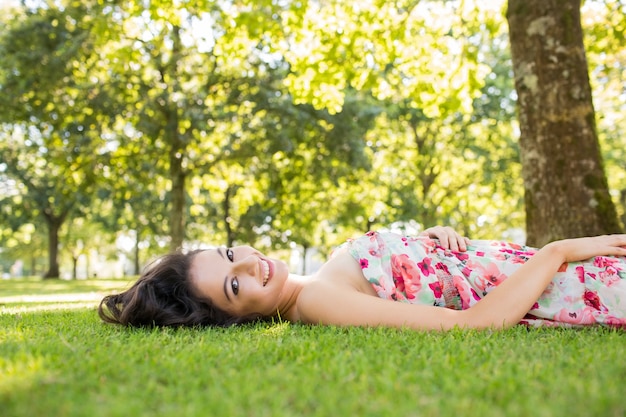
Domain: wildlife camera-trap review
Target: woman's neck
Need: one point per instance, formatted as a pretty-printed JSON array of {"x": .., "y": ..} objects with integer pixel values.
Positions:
[{"x": 287, "y": 308}]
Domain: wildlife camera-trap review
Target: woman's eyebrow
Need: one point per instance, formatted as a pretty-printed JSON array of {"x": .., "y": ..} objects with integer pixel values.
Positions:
[{"x": 219, "y": 250}]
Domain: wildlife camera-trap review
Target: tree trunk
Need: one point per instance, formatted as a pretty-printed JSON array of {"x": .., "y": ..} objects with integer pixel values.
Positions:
[
  {"x": 230, "y": 234},
  {"x": 177, "y": 218},
  {"x": 74, "y": 267},
  {"x": 178, "y": 147},
  {"x": 305, "y": 250},
  {"x": 566, "y": 191},
  {"x": 54, "y": 224},
  {"x": 136, "y": 252},
  {"x": 33, "y": 265}
]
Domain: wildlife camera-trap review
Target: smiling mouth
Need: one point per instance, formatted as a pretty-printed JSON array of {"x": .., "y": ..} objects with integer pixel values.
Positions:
[{"x": 266, "y": 271}]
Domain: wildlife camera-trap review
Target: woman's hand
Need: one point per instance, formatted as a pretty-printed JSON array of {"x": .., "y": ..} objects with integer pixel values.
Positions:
[
  {"x": 580, "y": 249},
  {"x": 448, "y": 238}
]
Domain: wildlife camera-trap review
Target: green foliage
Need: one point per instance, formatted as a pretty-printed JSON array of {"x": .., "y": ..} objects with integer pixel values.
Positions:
[{"x": 270, "y": 122}]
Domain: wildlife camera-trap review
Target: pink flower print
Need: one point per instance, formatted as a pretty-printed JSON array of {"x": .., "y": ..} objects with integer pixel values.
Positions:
[
  {"x": 580, "y": 271},
  {"x": 519, "y": 259},
  {"x": 428, "y": 244},
  {"x": 442, "y": 267},
  {"x": 435, "y": 287},
  {"x": 465, "y": 292},
  {"x": 461, "y": 256},
  {"x": 398, "y": 281},
  {"x": 584, "y": 316},
  {"x": 376, "y": 248},
  {"x": 406, "y": 275},
  {"x": 488, "y": 276},
  {"x": 609, "y": 276},
  {"x": 500, "y": 256},
  {"x": 364, "y": 263},
  {"x": 397, "y": 295},
  {"x": 592, "y": 300},
  {"x": 615, "y": 321},
  {"x": 603, "y": 261},
  {"x": 425, "y": 267}
]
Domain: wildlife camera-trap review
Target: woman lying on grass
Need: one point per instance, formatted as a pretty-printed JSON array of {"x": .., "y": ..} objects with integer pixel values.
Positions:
[{"x": 438, "y": 280}]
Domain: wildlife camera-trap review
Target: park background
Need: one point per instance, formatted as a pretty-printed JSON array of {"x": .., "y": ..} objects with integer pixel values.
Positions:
[{"x": 132, "y": 128}]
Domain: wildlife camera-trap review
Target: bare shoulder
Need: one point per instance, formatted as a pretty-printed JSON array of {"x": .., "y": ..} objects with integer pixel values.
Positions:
[
  {"x": 343, "y": 269},
  {"x": 333, "y": 286}
]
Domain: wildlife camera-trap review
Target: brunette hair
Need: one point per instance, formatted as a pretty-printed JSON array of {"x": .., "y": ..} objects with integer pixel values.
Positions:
[{"x": 162, "y": 296}]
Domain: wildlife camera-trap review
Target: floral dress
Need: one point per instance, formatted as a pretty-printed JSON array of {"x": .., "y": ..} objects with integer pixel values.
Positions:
[{"x": 417, "y": 270}]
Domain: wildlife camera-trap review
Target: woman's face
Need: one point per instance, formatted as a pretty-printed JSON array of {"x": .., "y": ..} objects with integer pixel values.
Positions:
[{"x": 239, "y": 280}]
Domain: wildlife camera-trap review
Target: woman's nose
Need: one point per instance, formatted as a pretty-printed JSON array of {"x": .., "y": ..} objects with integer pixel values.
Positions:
[{"x": 247, "y": 265}]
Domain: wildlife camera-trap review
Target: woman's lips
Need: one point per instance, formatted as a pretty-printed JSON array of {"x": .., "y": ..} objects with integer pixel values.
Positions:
[{"x": 270, "y": 272}]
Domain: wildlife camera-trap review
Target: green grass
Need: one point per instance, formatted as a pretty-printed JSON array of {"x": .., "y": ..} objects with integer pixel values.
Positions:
[{"x": 64, "y": 362}]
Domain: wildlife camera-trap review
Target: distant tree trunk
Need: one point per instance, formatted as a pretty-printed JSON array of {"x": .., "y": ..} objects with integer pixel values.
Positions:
[
  {"x": 74, "y": 267},
  {"x": 136, "y": 254},
  {"x": 177, "y": 218},
  {"x": 305, "y": 251},
  {"x": 178, "y": 146},
  {"x": 230, "y": 234},
  {"x": 622, "y": 197},
  {"x": 566, "y": 191},
  {"x": 54, "y": 224}
]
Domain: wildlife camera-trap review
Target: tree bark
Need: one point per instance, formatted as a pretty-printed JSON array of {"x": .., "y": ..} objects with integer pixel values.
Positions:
[
  {"x": 177, "y": 175},
  {"x": 74, "y": 267},
  {"x": 305, "y": 250},
  {"x": 178, "y": 148},
  {"x": 566, "y": 191},
  {"x": 54, "y": 224},
  {"x": 230, "y": 234},
  {"x": 136, "y": 251}
]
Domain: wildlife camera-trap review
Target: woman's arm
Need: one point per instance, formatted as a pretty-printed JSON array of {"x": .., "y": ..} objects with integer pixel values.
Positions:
[
  {"x": 327, "y": 303},
  {"x": 509, "y": 302}
]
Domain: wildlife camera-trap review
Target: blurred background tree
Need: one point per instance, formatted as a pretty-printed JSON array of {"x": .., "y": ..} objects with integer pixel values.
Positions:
[{"x": 128, "y": 129}]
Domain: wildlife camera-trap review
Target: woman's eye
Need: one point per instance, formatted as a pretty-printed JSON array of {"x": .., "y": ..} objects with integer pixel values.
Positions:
[
  {"x": 234, "y": 285},
  {"x": 229, "y": 254}
]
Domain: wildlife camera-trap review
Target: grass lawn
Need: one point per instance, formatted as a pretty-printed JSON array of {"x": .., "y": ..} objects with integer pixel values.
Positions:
[{"x": 58, "y": 359}]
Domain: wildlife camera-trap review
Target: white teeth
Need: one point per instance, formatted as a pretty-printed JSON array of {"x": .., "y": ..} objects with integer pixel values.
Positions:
[{"x": 266, "y": 271}]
